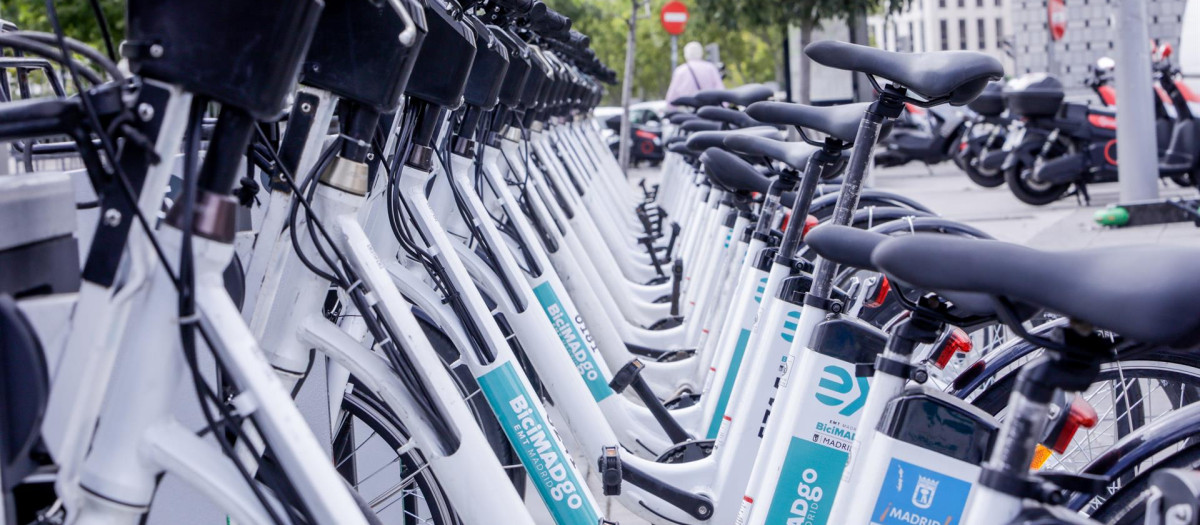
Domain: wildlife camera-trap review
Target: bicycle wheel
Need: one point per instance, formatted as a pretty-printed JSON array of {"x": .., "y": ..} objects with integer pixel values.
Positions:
[
  {"x": 395, "y": 485},
  {"x": 1126, "y": 396},
  {"x": 1127, "y": 505}
]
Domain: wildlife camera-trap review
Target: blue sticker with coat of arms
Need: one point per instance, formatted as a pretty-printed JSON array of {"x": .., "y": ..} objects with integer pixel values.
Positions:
[{"x": 911, "y": 494}]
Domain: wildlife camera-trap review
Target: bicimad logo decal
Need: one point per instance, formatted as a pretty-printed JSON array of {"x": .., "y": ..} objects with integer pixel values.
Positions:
[
  {"x": 838, "y": 387},
  {"x": 790, "y": 322},
  {"x": 762, "y": 288}
]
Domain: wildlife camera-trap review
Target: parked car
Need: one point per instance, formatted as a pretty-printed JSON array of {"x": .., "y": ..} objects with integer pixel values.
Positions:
[{"x": 645, "y": 119}]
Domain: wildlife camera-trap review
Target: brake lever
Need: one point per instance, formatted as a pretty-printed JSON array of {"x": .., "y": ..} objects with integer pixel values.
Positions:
[{"x": 409, "y": 34}]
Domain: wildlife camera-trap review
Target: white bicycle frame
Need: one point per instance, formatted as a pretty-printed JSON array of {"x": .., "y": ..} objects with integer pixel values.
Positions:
[
  {"x": 125, "y": 377},
  {"x": 288, "y": 321}
]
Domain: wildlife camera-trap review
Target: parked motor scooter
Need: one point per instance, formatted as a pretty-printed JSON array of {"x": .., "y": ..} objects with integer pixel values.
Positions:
[
  {"x": 985, "y": 132},
  {"x": 1064, "y": 144},
  {"x": 1181, "y": 159},
  {"x": 646, "y": 143},
  {"x": 990, "y": 159},
  {"x": 930, "y": 136},
  {"x": 1061, "y": 143}
]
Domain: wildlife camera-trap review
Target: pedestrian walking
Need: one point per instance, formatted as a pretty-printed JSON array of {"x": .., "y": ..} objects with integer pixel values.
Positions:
[{"x": 695, "y": 74}]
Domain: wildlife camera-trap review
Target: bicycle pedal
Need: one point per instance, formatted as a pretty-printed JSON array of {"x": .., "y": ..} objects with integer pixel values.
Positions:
[{"x": 610, "y": 471}]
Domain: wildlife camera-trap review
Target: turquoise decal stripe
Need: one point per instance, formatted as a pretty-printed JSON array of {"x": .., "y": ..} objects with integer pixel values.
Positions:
[
  {"x": 911, "y": 494},
  {"x": 790, "y": 322},
  {"x": 549, "y": 467},
  {"x": 727, "y": 386},
  {"x": 576, "y": 345},
  {"x": 808, "y": 484}
]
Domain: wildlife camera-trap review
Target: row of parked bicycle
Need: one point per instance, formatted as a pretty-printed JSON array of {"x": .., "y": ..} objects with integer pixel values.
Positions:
[
  {"x": 435, "y": 244},
  {"x": 1027, "y": 135}
]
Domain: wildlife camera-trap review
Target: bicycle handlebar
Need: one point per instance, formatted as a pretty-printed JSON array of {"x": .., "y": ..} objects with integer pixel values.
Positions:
[{"x": 548, "y": 22}]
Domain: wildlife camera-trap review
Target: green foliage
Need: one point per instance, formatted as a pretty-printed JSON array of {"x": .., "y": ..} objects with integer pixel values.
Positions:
[
  {"x": 778, "y": 13},
  {"x": 76, "y": 17},
  {"x": 749, "y": 56}
]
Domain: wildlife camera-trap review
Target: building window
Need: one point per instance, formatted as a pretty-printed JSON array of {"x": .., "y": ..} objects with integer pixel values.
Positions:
[
  {"x": 978, "y": 3},
  {"x": 912, "y": 37},
  {"x": 945, "y": 36},
  {"x": 962, "y": 3},
  {"x": 942, "y": 3},
  {"x": 982, "y": 34},
  {"x": 999, "y": 31},
  {"x": 999, "y": 3},
  {"x": 962, "y": 33}
]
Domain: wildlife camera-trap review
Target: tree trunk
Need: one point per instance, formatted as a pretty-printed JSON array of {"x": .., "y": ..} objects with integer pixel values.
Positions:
[
  {"x": 805, "y": 87},
  {"x": 863, "y": 91},
  {"x": 627, "y": 87}
]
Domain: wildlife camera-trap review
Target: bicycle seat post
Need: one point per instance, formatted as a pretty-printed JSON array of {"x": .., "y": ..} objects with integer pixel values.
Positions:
[{"x": 889, "y": 105}]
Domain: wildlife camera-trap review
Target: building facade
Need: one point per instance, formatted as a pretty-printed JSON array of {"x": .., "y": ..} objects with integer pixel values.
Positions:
[
  {"x": 942, "y": 25},
  {"x": 1090, "y": 34},
  {"x": 1017, "y": 32}
]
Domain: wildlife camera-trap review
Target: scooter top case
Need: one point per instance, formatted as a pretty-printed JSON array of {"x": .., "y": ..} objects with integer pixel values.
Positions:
[
  {"x": 990, "y": 103},
  {"x": 1035, "y": 96}
]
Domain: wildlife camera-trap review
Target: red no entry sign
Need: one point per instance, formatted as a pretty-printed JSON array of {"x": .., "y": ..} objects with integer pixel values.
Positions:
[
  {"x": 1056, "y": 10},
  {"x": 674, "y": 17}
]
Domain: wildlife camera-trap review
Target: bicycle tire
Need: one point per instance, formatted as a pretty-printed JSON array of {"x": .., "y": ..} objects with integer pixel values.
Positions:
[
  {"x": 1160, "y": 367},
  {"x": 1127, "y": 506},
  {"x": 361, "y": 406}
]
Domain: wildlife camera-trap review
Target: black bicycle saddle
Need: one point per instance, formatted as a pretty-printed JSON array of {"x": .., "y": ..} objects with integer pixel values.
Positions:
[
  {"x": 687, "y": 102},
  {"x": 840, "y": 122},
  {"x": 740, "y": 96},
  {"x": 680, "y": 118},
  {"x": 794, "y": 154},
  {"x": 699, "y": 124},
  {"x": 732, "y": 172},
  {"x": 1147, "y": 293},
  {"x": 702, "y": 140},
  {"x": 728, "y": 116},
  {"x": 681, "y": 148},
  {"x": 850, "y": 246},
  {"x": 958, "y": 76}
]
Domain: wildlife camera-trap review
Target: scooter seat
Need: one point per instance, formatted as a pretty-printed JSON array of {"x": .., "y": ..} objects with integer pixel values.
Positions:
[
  {"x": 699, "y": 124},
  {"x": 957, "y": 76},
  {"x": 840, "y": 122},
  {"x": 729, "y": 116},
  {"x": 794, "y": 154},
  {"x": 1146, "y": 293},
  {"x": 733, "y": 173},
  {"x": 702, "y": 140},
  {"x": 741, "y": 96}
]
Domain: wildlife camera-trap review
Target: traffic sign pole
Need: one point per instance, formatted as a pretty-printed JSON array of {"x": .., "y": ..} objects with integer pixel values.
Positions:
[
  {"x": 674, "y": 17},
  {"x": 674, "y": 53}
]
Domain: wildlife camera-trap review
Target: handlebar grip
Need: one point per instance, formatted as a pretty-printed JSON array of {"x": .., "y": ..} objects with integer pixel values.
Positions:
[
  {"x": 548, "y": 22},
  {"x": 579, "y": 39}
]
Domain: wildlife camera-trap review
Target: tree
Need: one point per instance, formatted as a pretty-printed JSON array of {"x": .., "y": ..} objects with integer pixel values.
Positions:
[
  {"x": 77, "y": 19},
  {"x": 807, "y": 15},
  {"x": 747, "y": 55}
]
